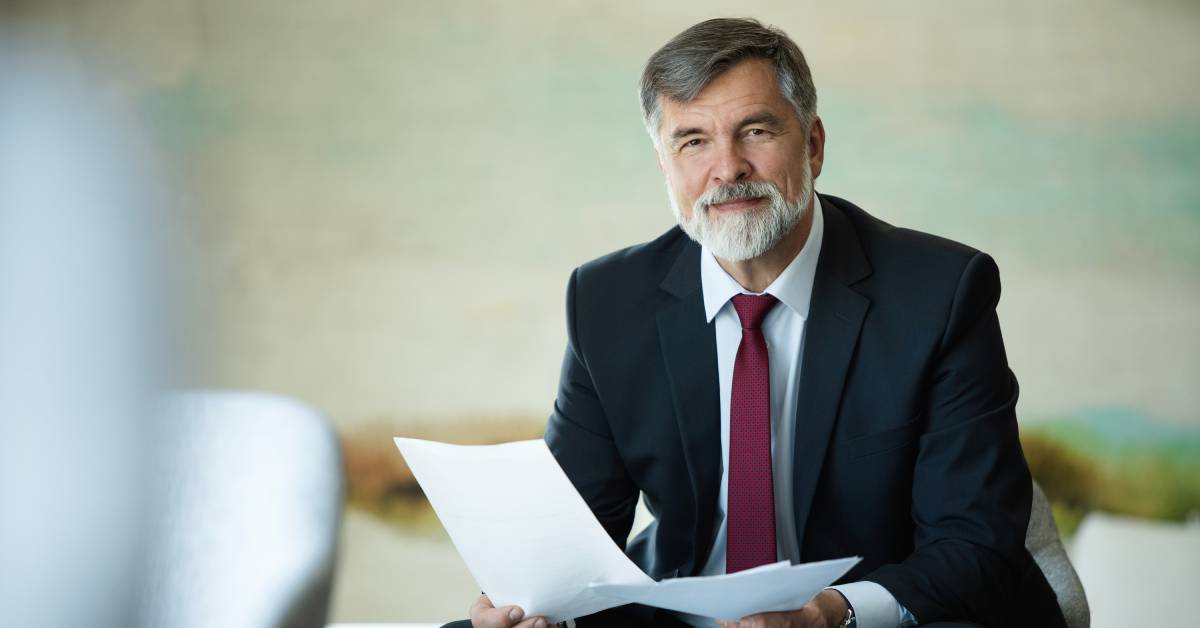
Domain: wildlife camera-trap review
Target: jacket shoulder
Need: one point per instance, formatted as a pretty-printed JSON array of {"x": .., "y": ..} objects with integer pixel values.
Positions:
[
  {"x": 883, "y": 240},
  {"x": 914, "y": 271},
  {"x": 635, "y": 267}
]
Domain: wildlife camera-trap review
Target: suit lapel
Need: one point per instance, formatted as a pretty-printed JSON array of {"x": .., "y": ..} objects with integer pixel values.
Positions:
[
  {"x": 689, "y": 351},
  {"x": 831, "y": 334}
]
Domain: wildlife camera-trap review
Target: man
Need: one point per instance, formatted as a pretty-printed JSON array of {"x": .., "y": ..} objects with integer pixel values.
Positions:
[{"x": 784, "y": 376}]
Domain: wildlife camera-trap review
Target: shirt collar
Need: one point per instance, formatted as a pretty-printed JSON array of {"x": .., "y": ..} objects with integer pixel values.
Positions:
[{"x": 793, "y": 287}]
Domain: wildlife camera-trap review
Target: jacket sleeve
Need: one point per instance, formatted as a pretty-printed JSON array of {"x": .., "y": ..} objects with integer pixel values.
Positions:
[
  {"x": 579, "y": 436},
  {"x": 971, "y": 487}
]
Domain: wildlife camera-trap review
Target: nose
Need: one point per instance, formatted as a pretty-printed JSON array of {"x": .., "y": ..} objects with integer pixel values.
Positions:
[{"x": 731, "y": 165}]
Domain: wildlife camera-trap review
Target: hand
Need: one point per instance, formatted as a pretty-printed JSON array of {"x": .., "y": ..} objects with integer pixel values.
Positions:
[
  {"x": 484, "y": 615},
  {"x": 826, "y": 610}
]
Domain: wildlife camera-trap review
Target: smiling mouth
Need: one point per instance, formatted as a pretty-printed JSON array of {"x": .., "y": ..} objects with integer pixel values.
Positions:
[{"x": 739, "y": 205}]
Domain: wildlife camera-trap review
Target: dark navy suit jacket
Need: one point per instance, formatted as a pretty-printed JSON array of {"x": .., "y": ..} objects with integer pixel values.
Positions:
[{"x": 906, "y": 442}]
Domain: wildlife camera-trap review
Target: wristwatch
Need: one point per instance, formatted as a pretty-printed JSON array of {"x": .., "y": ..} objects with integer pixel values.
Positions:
[{"x": 849, "y": 620}]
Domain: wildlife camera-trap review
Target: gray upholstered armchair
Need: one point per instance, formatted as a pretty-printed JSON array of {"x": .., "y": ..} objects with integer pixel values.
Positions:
[
  {"x": 245, "y": 513},
  {"x": 1043, "y": 542}
]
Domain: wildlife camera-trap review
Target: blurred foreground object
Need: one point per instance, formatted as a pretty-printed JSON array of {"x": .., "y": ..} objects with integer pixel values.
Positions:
[
  {"x": 81, "y": 331},
  {"x": 248, "y": 499},
  {"x": 118, "y": 509},
  {"x": 1125, "y": 558}
]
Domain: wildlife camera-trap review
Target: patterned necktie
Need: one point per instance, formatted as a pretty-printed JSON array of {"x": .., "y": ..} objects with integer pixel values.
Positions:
[{"x": 750, "y": 512}]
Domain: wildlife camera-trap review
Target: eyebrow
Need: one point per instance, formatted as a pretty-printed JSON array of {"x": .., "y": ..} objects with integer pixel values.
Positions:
[
  {"x": 764, "y": 117},
  {"x": 686, "y": 131}
]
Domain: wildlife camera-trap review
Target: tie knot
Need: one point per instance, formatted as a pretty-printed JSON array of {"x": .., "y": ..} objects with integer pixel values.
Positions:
[{"x": 753, "y": 308}]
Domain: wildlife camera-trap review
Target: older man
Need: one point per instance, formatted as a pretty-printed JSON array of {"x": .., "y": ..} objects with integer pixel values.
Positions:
[{"x": 784, "y": 376}]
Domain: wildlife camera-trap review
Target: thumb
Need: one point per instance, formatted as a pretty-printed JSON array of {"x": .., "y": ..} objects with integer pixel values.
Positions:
[{"x": 512, "y": 614}]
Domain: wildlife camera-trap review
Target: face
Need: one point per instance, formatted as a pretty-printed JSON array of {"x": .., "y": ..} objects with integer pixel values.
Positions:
[{"x": 738, "y": 163}]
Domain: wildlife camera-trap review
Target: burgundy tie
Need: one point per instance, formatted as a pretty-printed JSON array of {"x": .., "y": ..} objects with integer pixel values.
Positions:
[{"x": 750, "y": 536}]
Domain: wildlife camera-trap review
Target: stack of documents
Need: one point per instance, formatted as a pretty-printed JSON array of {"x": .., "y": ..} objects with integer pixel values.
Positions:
[{"x": 529, "y": 539}]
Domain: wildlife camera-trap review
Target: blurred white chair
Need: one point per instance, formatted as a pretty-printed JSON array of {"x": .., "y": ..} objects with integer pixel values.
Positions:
[
  {"x": 1139, "y": 572},
  {"x": 1045, "y": 545},
  {"x": 245, "y": 513}
]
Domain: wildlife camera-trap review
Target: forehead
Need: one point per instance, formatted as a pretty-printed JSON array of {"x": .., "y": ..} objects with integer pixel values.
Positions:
[{"x": 745, "y": 88}]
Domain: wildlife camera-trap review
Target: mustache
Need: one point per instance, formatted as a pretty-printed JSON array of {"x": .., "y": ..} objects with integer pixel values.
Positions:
[{"x": 741, "y": 191}]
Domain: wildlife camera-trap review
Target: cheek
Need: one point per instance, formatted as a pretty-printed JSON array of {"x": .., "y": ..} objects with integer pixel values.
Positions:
[
  {"x": 682, "y": 192},
  {"x": 776, "y": 164},
  {"x": 788, "y": 181},
  {"x": 688, "y": 184},
  {"x": 769, "y": 168}
]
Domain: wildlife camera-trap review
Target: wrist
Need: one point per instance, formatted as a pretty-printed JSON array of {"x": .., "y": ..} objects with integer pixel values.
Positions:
[{"x": 835, "y": 608}]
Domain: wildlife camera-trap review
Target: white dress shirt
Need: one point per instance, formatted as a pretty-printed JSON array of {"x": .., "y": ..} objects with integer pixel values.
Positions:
[{"x": 783, "y": 328}]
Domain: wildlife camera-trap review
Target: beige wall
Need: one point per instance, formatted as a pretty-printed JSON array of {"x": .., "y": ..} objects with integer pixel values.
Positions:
[{"x": 386, "y": 197}]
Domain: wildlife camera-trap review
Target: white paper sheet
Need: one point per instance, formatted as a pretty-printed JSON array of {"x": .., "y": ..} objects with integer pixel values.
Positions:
[
  {"x": 529, "y": 539},
  {"x": 524, "y": 532},
  {"x": 775, "y": 587}
]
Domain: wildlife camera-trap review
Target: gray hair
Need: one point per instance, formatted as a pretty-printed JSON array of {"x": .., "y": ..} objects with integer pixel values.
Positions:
[{"x": 692, "y": 59}]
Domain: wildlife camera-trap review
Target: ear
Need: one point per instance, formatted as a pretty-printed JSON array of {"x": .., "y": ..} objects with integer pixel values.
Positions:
[{"x": 816, "y": 146}]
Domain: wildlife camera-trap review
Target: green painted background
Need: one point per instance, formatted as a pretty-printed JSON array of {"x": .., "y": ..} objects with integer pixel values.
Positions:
[{"x": 365, "y": 184}]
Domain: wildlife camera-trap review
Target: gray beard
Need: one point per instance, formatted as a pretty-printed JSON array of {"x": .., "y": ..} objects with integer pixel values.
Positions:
[{"x": 743, "y": 235}]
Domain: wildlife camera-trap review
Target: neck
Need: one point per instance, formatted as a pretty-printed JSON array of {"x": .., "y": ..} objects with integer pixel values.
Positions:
[{"x": 756, "y": 273}]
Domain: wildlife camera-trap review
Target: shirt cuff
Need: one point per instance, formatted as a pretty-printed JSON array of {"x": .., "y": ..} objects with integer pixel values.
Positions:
[{"x": 874, "y": 606}]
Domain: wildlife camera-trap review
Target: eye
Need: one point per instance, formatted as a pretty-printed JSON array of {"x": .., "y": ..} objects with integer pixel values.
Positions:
[
  {"x": 757, "y": 132},
  {"x": 692, "y": 143}
]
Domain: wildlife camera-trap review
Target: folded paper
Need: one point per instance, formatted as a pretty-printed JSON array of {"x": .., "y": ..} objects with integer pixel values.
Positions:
[{"x": 529, "y": 539}]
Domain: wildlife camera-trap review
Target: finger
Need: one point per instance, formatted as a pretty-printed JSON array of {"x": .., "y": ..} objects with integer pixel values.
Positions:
[
  {"x": 534, "y": 622},
  {"x": 482, "y": 602},
  {"x": 502, "y": 617}
]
